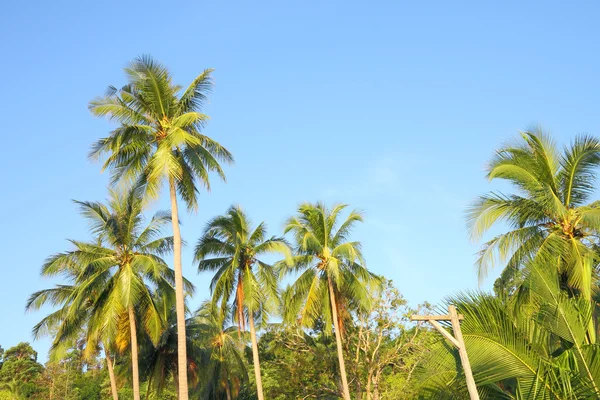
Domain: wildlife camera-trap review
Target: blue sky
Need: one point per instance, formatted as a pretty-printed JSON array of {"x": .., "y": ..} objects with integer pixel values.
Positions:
[{"x": 392, "y": 107}]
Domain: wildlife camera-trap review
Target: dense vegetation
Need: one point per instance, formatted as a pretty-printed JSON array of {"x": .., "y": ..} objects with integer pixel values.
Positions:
[
  {"x": 537, "y": 337},
  {"x": 121, "y": 328}
]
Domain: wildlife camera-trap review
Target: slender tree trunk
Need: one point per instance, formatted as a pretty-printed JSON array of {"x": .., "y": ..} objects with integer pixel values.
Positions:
[
  {"x": 376, "y": 386},
  {"x": 134, "y": 354},
  {"x": 52, "y": 390},
  {"x": 368, "y": 390},
  {"x": 179, "y": 297},
  {"x": 255, "y": 359},
  {"x": 111, "y": 375},
  {"x": 359, "y": 395},
  {"x": 338, "y": 340},
  {"x": 176, "y": 379},
  {"x": 225, "y": 373},
  {"x": 148, "y": 388},
  {"x": 227, "y": 390}
]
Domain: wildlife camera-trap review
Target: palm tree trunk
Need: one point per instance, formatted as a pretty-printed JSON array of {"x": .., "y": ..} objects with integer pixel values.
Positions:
[
  {"x": 227, "y": 390},
  {"x": 255, "y": 359},
  {"x": 179, "y": 297},
  {"x": 111, "y": 375},
  {"x": 225, "y": 374},
  {"x": 338, "y": 340},
  {"x": 134, "y": 354},
  {"x": 148, "y": 388},
  {"x": 176, "y": 379}
]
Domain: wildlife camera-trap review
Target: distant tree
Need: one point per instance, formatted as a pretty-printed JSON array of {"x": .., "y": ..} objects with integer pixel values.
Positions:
[
  {"x": 298, "y": 363},
  {"x": 159, "y": 359},
  {"x": 223, "y": 369},
  {"x": 385, "y": 346},
  {"x": 74, "y": 377},
  {"x": 21, "y": 373}
]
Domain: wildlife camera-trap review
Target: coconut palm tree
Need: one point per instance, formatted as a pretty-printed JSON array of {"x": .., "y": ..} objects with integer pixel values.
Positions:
[
  {"x": 332, "y": 270},
  {"x": 159, "y": 360},
  {"x": 548, "y": 213},
  {"x": 223, "y": 346},
  {"x": 542, "y": 353},
  {"x": 122, "y": 275},
  {"x": 159, "y": 140},
  {"x": 241, "y": 277}
]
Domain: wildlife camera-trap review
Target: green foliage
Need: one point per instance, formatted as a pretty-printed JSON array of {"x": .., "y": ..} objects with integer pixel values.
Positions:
[
  {"x": 21, "y": 373},
  {"x": 548, "y": 214},
  {"x": 385, "y": 346},
  {"x": 159, "y": 134},
  {"x": 298, "y": 364},
  {"x": 121, "y": 268},
  {"x": 6, "y": 395},
  {"x": 241, "y": 277},
  {"x": 542, "y": 351},
  {"x": 535, "y": 339},
  {"x": 324, "y": 256},
  {"x": 220, "y": 347}
]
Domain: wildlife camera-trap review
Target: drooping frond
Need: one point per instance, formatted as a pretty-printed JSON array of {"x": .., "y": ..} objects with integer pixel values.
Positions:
[{"x": 578, "y": 170}]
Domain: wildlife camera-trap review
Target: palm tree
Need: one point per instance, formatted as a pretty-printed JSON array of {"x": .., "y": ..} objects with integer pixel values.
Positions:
[
  {"x": 159, "y": 360},
  {"x": 241, "y": 277},
  {"x": 122, "y": 275},
  {"x": 159, "y": 139},
  {"x": 542, "y": 353},
  {"x": 333, "y": 271},
  {"x": 549, "y": 211},
  {"x": 224, "y": 366}
]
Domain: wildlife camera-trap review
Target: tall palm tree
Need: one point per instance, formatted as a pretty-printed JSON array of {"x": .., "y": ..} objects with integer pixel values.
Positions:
[
  {"x": 548, "y": 213},
  {"x": 333, "y": 270},
  {"x": 241, "y": 277},
  {"x": 159, "y": 140},
  {"x": 123, "y": 274},
  {"x": 223, "y": 345}
]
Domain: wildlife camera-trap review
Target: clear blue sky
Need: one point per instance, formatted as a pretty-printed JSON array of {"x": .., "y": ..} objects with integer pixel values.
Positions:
[{"x": 393, "y": 107}]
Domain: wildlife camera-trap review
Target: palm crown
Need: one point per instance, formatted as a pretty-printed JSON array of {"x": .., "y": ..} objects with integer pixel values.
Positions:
[
  {"x": 225, "y": 368},
  {"x": 159, "y": 136},
  {"x": 548, "y": 214},
  {"x": 324, "y": 254},
  {"x": 241, "y": 276}
]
